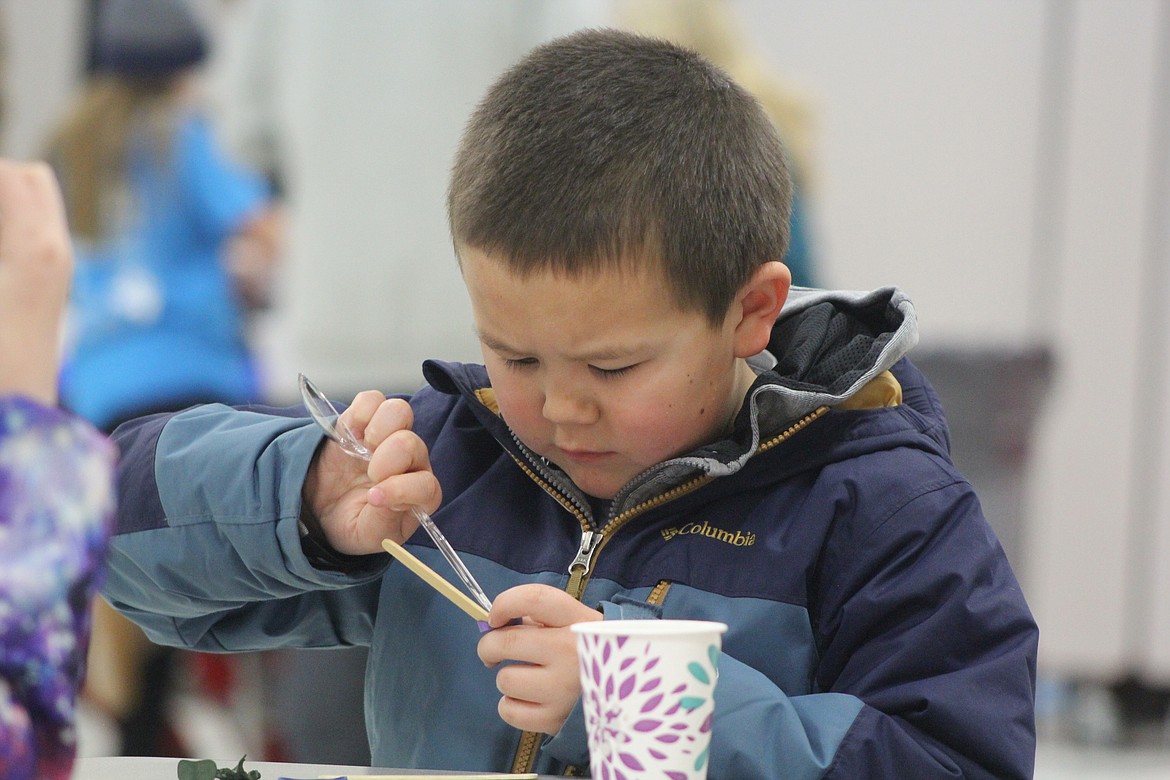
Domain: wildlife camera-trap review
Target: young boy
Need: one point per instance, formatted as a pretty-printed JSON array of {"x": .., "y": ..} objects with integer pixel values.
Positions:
[{"x": 652, "y": 436}]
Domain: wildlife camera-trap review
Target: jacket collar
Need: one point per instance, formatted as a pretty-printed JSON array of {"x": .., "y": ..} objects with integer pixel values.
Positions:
[{"x": 830, "y": 348}]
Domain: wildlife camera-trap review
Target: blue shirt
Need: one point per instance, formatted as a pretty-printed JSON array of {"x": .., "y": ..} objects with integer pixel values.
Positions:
[{"x": 154, "y": 315}]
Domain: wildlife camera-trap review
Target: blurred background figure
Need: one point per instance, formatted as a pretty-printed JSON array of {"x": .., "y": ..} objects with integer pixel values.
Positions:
[
  {"x": 174, "y": 243},
  {"x": 154, "y": 206},
  {"x": 56, "y": 491}
]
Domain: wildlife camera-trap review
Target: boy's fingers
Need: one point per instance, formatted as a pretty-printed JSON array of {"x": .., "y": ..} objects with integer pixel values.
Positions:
[
  {"x": 390, "y": 416},
  {"x": 539, "y": 646},
  {"x": 527, "y": 716},
  {"x": 363, "y": 408},
  {"x": 541, "y": 604},
  {"x": 542, "y": 607},
  {"x": 371, "y": 530},
  {"x": 402, "y": 490},
  {"x": 402, "y": 452}
]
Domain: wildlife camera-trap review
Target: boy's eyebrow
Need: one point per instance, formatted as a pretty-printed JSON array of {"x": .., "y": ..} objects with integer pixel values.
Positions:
[
  {"x": 493, "y": 344},
  {"x": 607, "y": 352}
]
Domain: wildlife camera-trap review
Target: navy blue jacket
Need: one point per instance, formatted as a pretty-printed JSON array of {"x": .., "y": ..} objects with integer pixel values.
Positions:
[{"x": 876, "y": 628}]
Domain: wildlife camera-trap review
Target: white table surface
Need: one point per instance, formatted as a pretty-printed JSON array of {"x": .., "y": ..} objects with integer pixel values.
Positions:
[{"x": 135, "y": 768}]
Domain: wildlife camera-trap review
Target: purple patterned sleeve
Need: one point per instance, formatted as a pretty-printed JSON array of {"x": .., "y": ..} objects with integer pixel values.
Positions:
[{"x": 56, "y": 505}]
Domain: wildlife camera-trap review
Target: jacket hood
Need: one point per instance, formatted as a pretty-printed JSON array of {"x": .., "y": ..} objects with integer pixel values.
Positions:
[
  {"x": 827, "y": 349},
  {"x": 830, "y": 344}
]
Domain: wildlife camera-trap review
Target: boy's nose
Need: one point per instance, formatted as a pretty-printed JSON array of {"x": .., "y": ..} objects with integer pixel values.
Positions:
[{"x": 564, "y": 406}]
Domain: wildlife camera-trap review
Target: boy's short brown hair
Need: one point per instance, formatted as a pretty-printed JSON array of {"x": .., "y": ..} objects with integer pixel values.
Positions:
[{"x": 606, "y": 148}]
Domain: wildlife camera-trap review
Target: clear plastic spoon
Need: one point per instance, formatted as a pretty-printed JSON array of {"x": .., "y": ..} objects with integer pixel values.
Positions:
[{"x": 325, "y": 414}]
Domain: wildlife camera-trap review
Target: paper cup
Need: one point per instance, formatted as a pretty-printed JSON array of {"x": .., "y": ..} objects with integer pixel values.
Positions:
[{"x": 648, "y": 691}]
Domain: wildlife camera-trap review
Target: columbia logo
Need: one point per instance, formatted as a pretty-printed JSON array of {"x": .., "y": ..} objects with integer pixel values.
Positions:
[{"x": 736, "y": 538}]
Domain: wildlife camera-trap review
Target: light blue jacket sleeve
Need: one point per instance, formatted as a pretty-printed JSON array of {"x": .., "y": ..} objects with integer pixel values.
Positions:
[{"x": 207, "y": 551}]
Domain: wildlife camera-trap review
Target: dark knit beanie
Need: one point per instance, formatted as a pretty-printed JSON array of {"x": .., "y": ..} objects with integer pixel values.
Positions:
[{"x": 147, "y": 38}]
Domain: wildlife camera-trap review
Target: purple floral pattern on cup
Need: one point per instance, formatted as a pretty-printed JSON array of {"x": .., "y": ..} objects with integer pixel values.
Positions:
[{"x": 627, "y": 692}]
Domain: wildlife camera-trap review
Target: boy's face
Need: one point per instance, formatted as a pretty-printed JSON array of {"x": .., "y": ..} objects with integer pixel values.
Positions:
[{"x": 602, "y": 375}]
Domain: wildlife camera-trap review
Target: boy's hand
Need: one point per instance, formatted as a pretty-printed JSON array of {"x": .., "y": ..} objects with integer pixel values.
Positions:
[
  {"x": 354, "y": 504},
  {"x": 542, "y": 687},
  {"x": 36, "y": 263}
]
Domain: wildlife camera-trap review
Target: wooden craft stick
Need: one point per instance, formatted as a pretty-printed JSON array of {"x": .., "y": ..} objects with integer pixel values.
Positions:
[{"x": 457, "y": 597}]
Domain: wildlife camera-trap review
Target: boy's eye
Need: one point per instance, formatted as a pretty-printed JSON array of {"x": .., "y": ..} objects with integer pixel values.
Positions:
[
  {"x": 519, "y": 363},
  {"x": 612, "y": 373}
]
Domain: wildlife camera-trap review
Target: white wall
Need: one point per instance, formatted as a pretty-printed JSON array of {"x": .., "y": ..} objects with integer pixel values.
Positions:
[
  {"x": 42, "y": 55},
  {"x": 1099, "y": 509},
  {"x": 928, "y": 136}
]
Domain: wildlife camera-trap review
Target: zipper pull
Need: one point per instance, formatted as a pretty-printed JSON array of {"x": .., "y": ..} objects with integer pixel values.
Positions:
[{"x": 583, "y": 562}]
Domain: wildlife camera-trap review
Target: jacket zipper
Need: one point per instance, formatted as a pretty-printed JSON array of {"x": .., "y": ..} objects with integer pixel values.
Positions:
[
  {"x": 583, "y": 563},
  {"x": 658, "y": 593},
  {"x": 592, "y": 542}
]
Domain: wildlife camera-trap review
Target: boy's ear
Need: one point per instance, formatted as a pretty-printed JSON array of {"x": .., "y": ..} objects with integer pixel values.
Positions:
[{"x": 759, "y": 302}]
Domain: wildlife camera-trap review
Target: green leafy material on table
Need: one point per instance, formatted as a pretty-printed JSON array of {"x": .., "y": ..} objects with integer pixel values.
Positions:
[{"x": 207, "y": 770}]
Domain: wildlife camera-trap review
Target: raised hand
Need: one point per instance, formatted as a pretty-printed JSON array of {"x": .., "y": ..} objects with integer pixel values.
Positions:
[{"x": 36, "y": 264}]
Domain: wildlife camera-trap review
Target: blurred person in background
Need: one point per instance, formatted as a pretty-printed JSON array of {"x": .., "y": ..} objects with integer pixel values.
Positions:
[
  {"x": 154, "y": 205},
  {"x": 56, "y": 491},
  {"x": 174, "y": 243}
]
